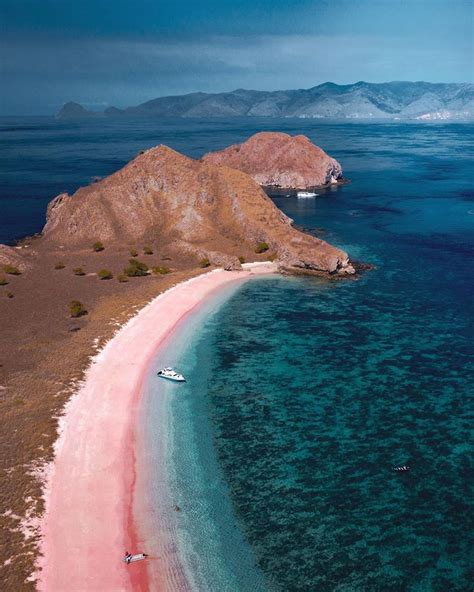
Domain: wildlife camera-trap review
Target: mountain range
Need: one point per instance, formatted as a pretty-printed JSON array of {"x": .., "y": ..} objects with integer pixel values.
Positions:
[{"x": 362, "y": 100}]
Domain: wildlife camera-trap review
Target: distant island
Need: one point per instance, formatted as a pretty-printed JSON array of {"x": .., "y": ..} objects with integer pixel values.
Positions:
[{"x": 362, "y": 100}]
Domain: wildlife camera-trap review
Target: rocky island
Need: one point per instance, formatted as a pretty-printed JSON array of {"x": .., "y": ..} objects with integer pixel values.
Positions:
[
  {"x": 280, "y": 160},
  {"x": 105, "y": 252},
  {"x": 74, "y": 110},
  {"x": 195, "y": 209}
]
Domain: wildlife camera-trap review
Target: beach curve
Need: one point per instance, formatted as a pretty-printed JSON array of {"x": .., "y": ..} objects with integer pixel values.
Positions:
[{"x": 88, "y": 523}]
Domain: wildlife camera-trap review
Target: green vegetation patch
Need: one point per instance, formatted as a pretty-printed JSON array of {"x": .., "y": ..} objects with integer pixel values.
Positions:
[
  {"x": 147, "y": 250},
  {"x": 204, "y": 262},
  {"x": 105, "y": 274},
  {"x": 76, "y": 309},
  {"x": 3, "y": 280},
  {"x": 59, "y": 265},
  {"x": 136, "y": 268},
  {"x": 161, "y": 270},
  {"x": 98, "y": 246},
  {"x": 261, "y": 248},
  {"x": 11, "y": 270},
  {"x": 78, "y": 271}
]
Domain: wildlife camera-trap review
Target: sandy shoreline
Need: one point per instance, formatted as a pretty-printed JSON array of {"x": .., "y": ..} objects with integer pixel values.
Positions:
[{"x": 89, "y": 520}]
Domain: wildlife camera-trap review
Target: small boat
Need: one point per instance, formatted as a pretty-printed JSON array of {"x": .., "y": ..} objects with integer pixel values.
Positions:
[
  {"x": 170, "y": 374},
  {"x": 401, "y": 469},
  {"x": 306, "y": 194}
]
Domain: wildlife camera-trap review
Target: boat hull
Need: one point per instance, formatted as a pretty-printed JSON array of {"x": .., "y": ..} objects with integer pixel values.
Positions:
[
  {"x": 306, "y": 194},
  {"x": 173, "y": 379}
]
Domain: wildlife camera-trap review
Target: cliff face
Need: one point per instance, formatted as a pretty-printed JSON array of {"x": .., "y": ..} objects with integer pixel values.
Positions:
[
  {"x": 280, "y": 160},
  {"x": 190, "y": 206}
]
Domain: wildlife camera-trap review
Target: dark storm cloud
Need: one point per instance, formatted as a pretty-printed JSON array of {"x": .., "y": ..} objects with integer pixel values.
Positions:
[{"x": 124, "y": 53}]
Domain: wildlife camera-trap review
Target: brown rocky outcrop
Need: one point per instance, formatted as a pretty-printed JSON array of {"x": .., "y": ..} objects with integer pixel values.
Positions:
[
  {"x": 188, "y": 206},
  {"x": 13, "y": 256},
  {"x": 280, "y": 160}
]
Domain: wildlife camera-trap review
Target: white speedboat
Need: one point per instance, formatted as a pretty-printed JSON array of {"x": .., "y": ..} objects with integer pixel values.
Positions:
[
  {"x": 170, "y": 374},
  {"x": 306, "y": 194}
]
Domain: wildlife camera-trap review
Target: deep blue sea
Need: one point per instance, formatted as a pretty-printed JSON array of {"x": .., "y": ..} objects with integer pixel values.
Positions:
[{"x": 311, "y": 391}]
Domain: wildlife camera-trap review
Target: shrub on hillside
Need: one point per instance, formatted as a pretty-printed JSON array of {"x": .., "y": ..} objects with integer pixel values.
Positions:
[
  {"x": 59, "y": 265},
  {"x": 76, "y": 309},
  {"x": 98, "y": 246},
  {"x": 133, "y": 252},
  {"x": 3, "y": 280},
  {"x": 105, "y": 274},
  {"x": 136, "y": 268},
  {"x": 78, "y": 271},
  {"x": 204, "y": 262},
  {"x": 242, "y": 259},
  {"x": 11, "y": 270},
  {"x": 160, "y": 270},
  {"x": 147, "y": 250},
  {"x": 122, "y": 278},
  {"x": 9, "y": 294},
  {"x": 261, "y": 248}
]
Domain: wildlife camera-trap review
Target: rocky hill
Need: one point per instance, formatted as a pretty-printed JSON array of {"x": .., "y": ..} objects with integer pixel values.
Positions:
[
  {"x": 75, "y": 111},
  {"x": 186, "y": 207},
  {"x": 362, "y": 100},
  {"x": 280, "y": 160}
]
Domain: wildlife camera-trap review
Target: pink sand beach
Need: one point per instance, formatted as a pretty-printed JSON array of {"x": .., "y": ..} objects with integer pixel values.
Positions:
[{"x": 89, "y": 521}]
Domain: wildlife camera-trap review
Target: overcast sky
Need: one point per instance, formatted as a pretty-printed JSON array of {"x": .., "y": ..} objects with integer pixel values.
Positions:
[{"x": 119, "y": 52}]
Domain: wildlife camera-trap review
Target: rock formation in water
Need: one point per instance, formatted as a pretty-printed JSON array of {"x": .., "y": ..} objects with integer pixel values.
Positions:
[
  {"x": 280, "y": 160},
  {"x": 187, "y": 206},
  {"x": 362, "y": 100}
]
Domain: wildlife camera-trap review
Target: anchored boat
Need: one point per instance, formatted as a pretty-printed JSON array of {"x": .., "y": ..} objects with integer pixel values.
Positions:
[
  {"x": 306, "y": 194},
  {"x": 170, "y": 374}
]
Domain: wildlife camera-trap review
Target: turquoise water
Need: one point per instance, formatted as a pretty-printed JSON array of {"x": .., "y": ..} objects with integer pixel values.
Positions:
[
  {"x": 178, "y": 433},
  {"x": 318, "y": 391},
  {"x": 303, "y": 394},
  {"x": 321, "y": 388}
]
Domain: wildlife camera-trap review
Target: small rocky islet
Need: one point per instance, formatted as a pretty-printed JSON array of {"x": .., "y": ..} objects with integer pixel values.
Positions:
[{"x": 281, "y": 161}]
